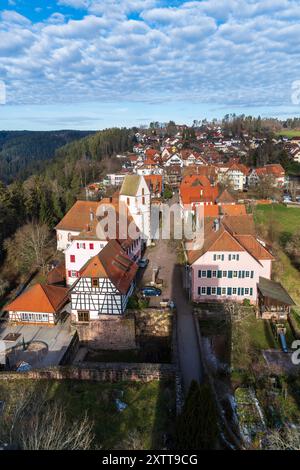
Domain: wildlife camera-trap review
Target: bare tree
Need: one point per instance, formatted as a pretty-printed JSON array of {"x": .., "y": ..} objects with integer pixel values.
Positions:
[
  {"x": 31, "y": 242},
  {"x": 3, "y": 287},
  {"x": 284, "y": 439},
  {"x": 35, "y": 423}
]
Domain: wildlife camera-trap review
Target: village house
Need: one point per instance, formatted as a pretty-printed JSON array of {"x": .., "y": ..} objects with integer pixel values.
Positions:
[
  {"x": 80, "y": 215},
  {"x": 273, "y": 171},
  {"x": 230, "y": 263},
  {"x": 94, "y": 238},
  {"x": 174, "y": 159},
  {"x": 104, "y": 285},
  {"x": 40, "y": 303},
  {"x": 234, "y": 174}
]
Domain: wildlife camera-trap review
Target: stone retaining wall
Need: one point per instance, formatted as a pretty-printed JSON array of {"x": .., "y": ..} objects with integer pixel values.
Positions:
[
  {"x": 108, "y": 333},
  {"x": 99, "y": 372}
]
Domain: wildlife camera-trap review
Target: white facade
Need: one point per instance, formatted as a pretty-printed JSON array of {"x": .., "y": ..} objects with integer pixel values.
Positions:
[
  {"x": 174, "y": 160},
  {"x": 91, "y": 298},
  {"x": 32, "y": 317},
  {"x": 64, "y": 238},
  {"x": 139, "y": 206},
  {"x": 77, "y": 254},
  {"x": 114, "y": 179}
]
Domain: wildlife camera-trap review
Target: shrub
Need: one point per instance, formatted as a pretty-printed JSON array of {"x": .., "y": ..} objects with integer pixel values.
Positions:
[{"x": 196, "y": 427}]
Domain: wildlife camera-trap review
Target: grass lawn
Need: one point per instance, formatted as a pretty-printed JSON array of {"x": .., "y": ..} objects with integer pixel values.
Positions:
[
  {"x": 150, "y": 412},
  {"x": 287, "y": 218},
  {"x": 288, "y": 221},
  {"x": 289, "y": 133}
]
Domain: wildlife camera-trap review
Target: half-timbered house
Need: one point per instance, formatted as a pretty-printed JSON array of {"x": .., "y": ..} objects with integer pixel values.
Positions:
[{"x": 106, "y": 281}]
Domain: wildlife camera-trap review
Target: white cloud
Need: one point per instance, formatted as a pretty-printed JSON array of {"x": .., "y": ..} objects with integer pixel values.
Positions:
[{"x": 219, "y": 51}]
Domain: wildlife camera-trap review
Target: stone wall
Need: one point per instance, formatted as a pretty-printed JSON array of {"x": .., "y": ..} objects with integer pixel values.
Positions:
[
  {"x": 99, "y": 372},
  {"x": 108, "y": 333},
  {"x": 153, "y": 322}
]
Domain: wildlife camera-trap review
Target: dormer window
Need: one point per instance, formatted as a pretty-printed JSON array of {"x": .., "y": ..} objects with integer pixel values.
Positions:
[{"x": 95, "y": 282}]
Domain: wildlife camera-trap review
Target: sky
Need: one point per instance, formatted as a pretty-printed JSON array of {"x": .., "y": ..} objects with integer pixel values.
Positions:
[{"x": 92, "y": 64}]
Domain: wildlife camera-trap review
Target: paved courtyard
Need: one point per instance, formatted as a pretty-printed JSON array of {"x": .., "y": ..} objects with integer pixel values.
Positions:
[{"x": 47, "y": 344}]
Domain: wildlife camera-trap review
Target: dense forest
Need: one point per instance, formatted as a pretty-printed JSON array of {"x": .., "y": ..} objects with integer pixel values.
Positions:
[
  {"x": 44, "y": 197},
  {"x": 23, "y": 153}
]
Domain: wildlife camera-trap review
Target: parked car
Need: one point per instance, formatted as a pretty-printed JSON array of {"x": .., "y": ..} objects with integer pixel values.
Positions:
[
  {"x": 150, "y": 291},
  {"x": 143, "y": 263}
]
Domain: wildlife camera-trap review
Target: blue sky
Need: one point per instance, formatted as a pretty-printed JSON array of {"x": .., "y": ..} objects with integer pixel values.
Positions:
[{"x": 91, "y": 64}]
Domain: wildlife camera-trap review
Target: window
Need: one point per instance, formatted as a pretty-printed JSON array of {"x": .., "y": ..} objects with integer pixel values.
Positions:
[
  {"x": 203, "y": 290},
  {"x": 247, "y": 273},
  {"x": 246, "y": 291},
  {"x": 72, "y": 259},
  {"x": 73, "y": 273},
  {"x": 91, "y": 246},
  {"x": 214, "y": 274},
  {"x": 83, "y": 315},
  {"x": 234, "y": 290},
  {"x": 203, "y": 273},
  {"x": 223, "y": 290},
  {"x": 235, "y": 273},
  {"x": 213, "y": 290},
  {"x": 224, "y": 273},
  {"x": 95, "y": 282}
]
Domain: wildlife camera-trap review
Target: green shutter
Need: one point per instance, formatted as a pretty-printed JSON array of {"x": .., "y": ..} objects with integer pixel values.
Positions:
[
  {"x": 199, "y": 273},
  {"x": 219, "y": 291},
  {"x": 242, "y": 291},
  {"x": 219, "y": 274},
  {"x": 239, "y": 291},
  {"x": 240, "y": 274},
  {"x": 215, "y": 257},
  {"x": 252, "y": 274},
  {"x": 229, "y": 290},
  {"x": 243, "y": 274},
  {"x": 229, "y": 257},
  {"x": 209, "y": 273},
  {"x": 208, "y": 290},
  {"x": 230, "y": 274},
  {"x": 251, "y": 291}
]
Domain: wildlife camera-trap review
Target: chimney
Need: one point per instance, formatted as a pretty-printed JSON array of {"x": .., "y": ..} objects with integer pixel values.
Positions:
[{"x": 216, "y": 225}]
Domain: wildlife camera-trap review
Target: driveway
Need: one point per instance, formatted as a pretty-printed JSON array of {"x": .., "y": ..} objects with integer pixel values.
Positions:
[{"x": 164, "y": 256}]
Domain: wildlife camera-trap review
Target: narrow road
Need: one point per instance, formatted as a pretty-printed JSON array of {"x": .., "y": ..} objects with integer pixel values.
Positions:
[{"x": 163, "y": 255}]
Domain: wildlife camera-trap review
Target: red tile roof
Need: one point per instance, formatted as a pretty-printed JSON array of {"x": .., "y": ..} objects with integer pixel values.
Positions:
[
  {"x": 114, "y": 264},
  {"x": 40, "y": 298},
  {"x": 78, "y": 216},
  {"x": 154, "y": 183},
  {"x": 233, "y": 209}
]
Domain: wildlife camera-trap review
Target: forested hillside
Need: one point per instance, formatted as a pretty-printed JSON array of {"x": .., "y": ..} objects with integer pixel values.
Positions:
[
  {"x": 45, "y": 197},
  {"x": 23, "y": 153}
]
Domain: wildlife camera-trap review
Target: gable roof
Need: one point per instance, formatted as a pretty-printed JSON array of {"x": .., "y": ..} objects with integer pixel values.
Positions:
[
  {"x": 225, "y": 197},
  {"x": 40, "y": 298},
  {"x": 114, "y": 264},
  {"x": 78, "y": 216},
  {"x": 225, "y": 239},
  {"x": 241, "y": 224},
  {"x": 130, "y": 185},
  {"x": 233, "y": 209}
]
